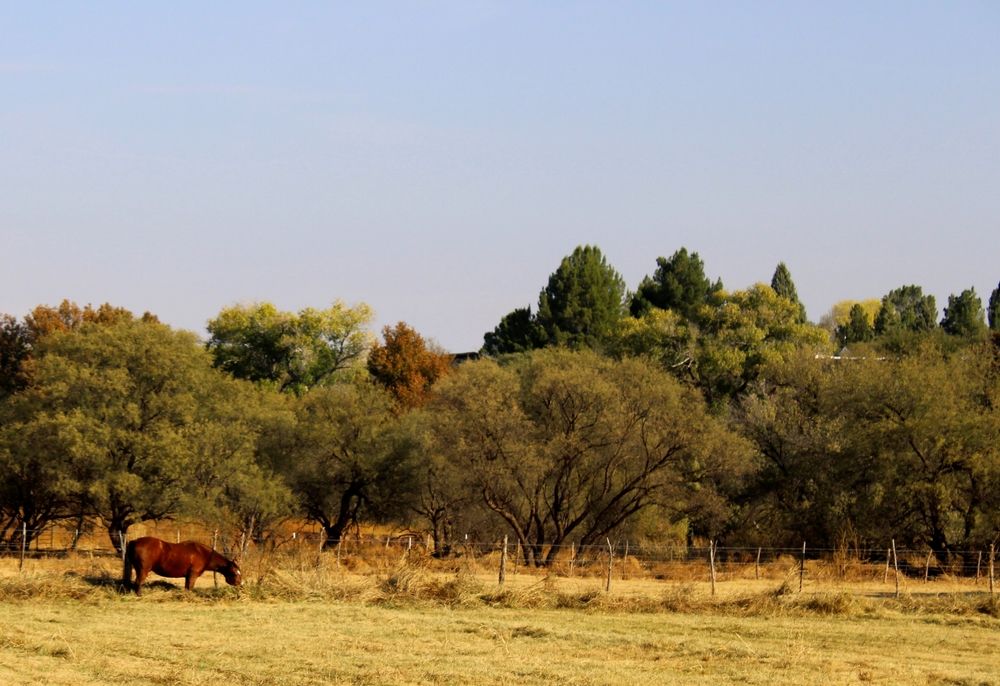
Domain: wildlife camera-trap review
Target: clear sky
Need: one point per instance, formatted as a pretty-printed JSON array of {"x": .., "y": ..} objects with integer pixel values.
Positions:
[{"x": 437, "y": 159}]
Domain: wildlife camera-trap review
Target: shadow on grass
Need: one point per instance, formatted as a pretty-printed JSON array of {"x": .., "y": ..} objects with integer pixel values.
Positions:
[{"x": 107, "y": 581}]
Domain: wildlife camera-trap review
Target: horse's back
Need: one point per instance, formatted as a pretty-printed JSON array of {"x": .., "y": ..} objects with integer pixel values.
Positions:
[
  {"x": 179, "y": 559},
  {"x": 146, "y": 549},
  {"x": 164, "y": 558}
]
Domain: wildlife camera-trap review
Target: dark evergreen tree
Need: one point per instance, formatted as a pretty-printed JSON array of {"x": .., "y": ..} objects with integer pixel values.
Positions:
[
  {"x": 857, "y": 329},
  {"x": 993, "y": 314},
  {"x": 583, "y": 301},
  {"x": 783, "y": 285},
  {"x": 964, "y": 314},
  {"x": 517, "y": 332},
  {"x": 15, "y": 348},
  {"x": 907, "y": 309},
  {"x": 678, "y": 284}
]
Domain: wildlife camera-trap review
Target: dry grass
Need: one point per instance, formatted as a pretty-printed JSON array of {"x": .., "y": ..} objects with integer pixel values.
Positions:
[{"x": 306, "y": 620}]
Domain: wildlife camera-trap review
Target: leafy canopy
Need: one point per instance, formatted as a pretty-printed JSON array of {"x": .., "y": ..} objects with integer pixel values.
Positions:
[
  {"x": 964, "y": 315},
  {"x": 906, "y": 309},
  {"x": 406, "y": 365},
  {"x": 292, "y": 352},
  {"x": 567, "y": 443}
]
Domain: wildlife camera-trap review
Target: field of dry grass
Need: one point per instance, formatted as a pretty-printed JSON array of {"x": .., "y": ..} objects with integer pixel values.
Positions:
[{"x": 306, "y": 620}]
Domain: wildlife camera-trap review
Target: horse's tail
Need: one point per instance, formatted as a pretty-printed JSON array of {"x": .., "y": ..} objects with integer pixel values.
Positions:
[{"x": 127, "y": 565}]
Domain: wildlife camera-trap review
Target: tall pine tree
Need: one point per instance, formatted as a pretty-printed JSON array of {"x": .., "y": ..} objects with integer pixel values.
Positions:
[
  {"x": 783, "y": 285},
  {"x": 583, "y": 301},
  {"x": 678, "y": 284}
]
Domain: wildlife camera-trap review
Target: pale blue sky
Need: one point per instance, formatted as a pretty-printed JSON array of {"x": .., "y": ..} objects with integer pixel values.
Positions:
[{"x": 437, "y": 159}]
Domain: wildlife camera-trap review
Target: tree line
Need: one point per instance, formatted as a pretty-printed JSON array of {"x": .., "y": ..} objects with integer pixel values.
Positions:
[{"x": 675, "y": 411}]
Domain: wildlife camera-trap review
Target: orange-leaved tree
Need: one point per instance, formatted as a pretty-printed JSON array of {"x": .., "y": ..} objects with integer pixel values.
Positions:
[{"x": 407, "y": 365}]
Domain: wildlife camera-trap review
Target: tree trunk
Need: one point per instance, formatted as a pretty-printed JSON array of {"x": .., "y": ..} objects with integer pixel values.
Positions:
[
  {"x": 441, "y": 534},
  {"x": 346, "y": 515},
  {"x": 117, "y": 528}
]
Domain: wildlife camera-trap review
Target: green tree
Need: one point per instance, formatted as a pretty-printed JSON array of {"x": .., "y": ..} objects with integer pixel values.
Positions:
[
  {"x": 40, "y": 457},
  {"x": 17, "y": 340},
  {"x": 858, "y": 328},
  {"x": 906, "y": 309},
  {"x": 119, "y": 401},
  {"x": 564, "y": 445},
  {"x": 993, "y": 314},
  {"x": 840, "y": 313},
  {"x": 749, "y": 330},
  {"x": 583, "y": 301},
  {"x": 292, "y": 352},
  {"x": 783, "y": 285},
  {"x": 925, "y": 416},
  {"x": 517, "y": 332},
  {"x": 441, "y": 499},
  {"x": 964, "y": 315},
  {"x": 807, "y": 470},
  {"x": 678, "y": 284},
  {"x": 15, "y": 349},
  {"x": 349, "y": 456},
  {"x": 911, "y": 443},
  {"x": 230, "y": 484},
  {"x": 663, "y": 335}
]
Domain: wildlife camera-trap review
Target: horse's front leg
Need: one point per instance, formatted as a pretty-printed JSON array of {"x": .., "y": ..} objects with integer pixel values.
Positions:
[{"x": 192, "y": 576}]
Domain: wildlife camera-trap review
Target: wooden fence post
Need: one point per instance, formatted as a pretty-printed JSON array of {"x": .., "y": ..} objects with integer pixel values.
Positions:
[
  {"x": 756, "y": 569},
  {"x": 503, "y": 563},
  {"x": 979, "y": 564},
  {"x": 611, "y": 555},
  {"x": 992, "y": 551},
  {"x": 888, "y": 561},
  {"x": 802, "y": 566},
  {"x": 895, "y": 564},
  {"x": 711, "y": 564},
  {"x": 572, "y": 557},
  {"x": 927, "y": 566},
  {"x": 215, "y": 542},
  {"x": 24, "y": 544},
  {"x": 625, "y": 561}
]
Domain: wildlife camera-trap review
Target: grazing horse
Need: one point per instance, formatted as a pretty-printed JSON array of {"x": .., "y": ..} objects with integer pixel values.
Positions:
[{"x": 187, "y": 559}]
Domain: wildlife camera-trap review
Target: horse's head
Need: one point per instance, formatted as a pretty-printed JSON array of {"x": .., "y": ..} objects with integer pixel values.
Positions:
[{"x": 231, "y": 573}]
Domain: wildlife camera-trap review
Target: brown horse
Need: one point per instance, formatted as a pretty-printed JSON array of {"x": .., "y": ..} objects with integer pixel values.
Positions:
[{"x": 187, "y": 559}]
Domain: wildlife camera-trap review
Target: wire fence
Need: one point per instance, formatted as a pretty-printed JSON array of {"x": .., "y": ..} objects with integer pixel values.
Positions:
[{"x": 655, "y": 560}]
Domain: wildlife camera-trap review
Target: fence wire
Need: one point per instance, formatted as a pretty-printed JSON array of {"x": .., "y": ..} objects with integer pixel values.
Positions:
[{"x": 910, "y": 561}]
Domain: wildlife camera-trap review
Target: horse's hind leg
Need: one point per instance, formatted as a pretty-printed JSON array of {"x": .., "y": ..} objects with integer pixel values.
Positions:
[
  {"x": 127, "y": 575},
  {"x": 140, "y": 577}
]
